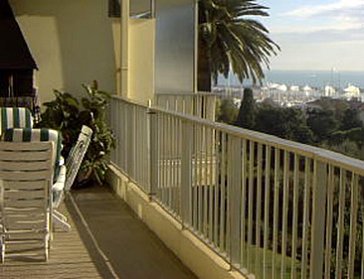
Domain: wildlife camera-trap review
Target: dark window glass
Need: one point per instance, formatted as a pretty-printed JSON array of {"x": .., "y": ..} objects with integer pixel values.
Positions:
[
  {"x": 22, "y": 82},
  {"x": 114, "y": 8}
]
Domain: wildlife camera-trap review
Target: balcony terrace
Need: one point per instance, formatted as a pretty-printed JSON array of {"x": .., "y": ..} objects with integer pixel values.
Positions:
[{"x": 228, "y": 202}]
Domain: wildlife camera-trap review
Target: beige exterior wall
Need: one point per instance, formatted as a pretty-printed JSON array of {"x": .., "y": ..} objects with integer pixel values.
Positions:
[
  {"x": 72, "y": 41},
  {"x": 141, "y": 59}
]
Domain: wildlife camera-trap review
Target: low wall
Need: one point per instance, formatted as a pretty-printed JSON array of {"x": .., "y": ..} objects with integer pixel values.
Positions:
[{"x": 205, "y": 263}]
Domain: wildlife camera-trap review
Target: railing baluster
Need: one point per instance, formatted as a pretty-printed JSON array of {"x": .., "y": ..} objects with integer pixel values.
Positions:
[
  {"x": 186, "y": 167},
  {"x": 259, "y": 203},
  {"x": 169, "y": 137},
  {"x": 234, "y": 186},
  {"x": 306, "y": 218},
  {"x": 153, "y": 151},
  {"x": 353, "y": 223},
  {"x": 267, "y": 189},
  {"x": 166, "y": 158},
  {"x": 194, "y": 179},
  {"x": 340, "y": 227},
  {"x": 173, "y": 165},
  {"x": 216, "y": 164},
  {"x": 176, "y": 158},
  {"x": 251, "y": 184},
  {"x": 285, "y": 212},
  {"x": 210, "y": 182},
  {"x": 223, "y": 193},
  {"x": 170, "y": 164},
  {"x": 205, "y": 185},
  {"x": 318, "y": 220},
  {"x": 162, "y": 158},
  {"x": 127, "y": 115},
  {"x": 275, "y": 208},
  {"x": 138, "y": 142},
  {"x": 132, "y": 142},
  {"x": 296, "y": 186},
  {"x": 200, "y": 181},
  {"x": 258, "y": 211},
  {"x": 330, "y": 200},
  {"x": 244, "y": 245},
  {"x": 179, "y": 172}
]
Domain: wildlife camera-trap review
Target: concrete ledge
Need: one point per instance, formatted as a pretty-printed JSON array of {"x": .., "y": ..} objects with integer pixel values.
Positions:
[{"x": 205, "y": 263}]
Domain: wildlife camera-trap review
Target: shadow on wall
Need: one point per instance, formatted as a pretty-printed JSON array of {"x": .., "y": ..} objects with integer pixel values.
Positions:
[{"x": 85, "y": 41}]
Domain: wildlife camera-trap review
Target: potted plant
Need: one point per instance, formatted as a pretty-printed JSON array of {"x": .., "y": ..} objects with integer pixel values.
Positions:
[{"x": 67, "y": 114}]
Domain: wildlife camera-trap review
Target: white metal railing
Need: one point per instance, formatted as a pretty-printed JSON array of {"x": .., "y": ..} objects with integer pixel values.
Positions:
[
  {"x": 197, "y": 104},
  {"x": 271, "y": 207}
]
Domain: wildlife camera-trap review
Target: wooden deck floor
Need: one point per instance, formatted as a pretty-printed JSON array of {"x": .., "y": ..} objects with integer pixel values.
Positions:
[
  {"x": 107, "y": 240},
  {"x": 72, "y": 255}
]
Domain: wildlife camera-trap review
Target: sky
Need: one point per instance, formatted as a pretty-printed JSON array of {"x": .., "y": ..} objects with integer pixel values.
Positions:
[{"x": 317, "y": 34}]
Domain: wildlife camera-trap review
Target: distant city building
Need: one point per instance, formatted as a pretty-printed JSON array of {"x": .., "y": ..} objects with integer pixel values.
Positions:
[
  {"x": 294, "y": 88},
  {"x": 330, "y": 91},
  {"x": 352, "y": 92}
]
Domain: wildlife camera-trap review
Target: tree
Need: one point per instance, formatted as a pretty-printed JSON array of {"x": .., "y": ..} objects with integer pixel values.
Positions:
[
  {"x": 322, "y": 123},
  {"x": 229, "y": 38},
  {"x": 287, "y": 123},
  {"x": 350, "y": 120},
  {"x": 226, "y": 111},
  {"x": 246, "y": 116}
]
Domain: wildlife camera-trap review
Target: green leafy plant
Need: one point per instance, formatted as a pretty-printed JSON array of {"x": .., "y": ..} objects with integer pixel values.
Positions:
[{"x": 67, "y": 114}]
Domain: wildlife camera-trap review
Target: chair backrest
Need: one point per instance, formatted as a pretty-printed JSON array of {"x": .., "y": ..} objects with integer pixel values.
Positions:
[
  {"x": 38, "y": 135},
  {"x": 76, "y": 155},
  {"x": 15, "y": 118},
  {"x": 26, "y": 174}
]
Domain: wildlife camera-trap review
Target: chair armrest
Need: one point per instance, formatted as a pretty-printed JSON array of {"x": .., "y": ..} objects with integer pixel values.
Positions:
[{"x": 59, "y": 184}]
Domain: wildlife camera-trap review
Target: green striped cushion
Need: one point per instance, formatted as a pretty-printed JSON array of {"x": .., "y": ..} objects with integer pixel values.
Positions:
[
  {"x": 36, "y": 135},
  {"x": 15, "y": 118}
]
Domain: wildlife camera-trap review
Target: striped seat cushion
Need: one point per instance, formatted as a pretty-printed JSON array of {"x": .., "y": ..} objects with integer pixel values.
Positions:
[
  {"x": 15, "y": 118},
  {"x": 36, "y": 135}
]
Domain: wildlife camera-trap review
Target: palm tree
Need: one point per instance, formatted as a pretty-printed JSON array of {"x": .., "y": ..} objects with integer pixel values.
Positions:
[{"x": 230, "y": 39}]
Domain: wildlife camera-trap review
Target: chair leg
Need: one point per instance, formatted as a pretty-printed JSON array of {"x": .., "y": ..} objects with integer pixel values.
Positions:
[
  {"x": 60, "y": 222},
  {"x": 2, "y": 239},
  {"x": 59, "y": 214},
  {"x": 46, "y": 246}
]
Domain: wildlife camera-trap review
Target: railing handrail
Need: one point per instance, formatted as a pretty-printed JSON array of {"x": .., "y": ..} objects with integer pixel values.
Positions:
[
  {"x": 188, "y": 94},
  {"x": 313, "y": 152}
]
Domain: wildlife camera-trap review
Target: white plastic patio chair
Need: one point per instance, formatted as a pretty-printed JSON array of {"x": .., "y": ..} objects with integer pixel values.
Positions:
[
  {"x": 15, "y": 117},
  {"x": 26, "y": 175},
  {"x": 72, "y": 167},
  {"x": 65, "y": 174}
]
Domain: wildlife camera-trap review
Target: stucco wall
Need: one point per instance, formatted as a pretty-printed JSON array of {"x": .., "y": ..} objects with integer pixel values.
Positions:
[
  {"x": 141, "y": 59},
  {"x": 72, "y": 41}
]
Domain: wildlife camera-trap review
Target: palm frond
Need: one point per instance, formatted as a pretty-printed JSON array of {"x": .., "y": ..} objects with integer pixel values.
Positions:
[{"x": 235, "y": 39}]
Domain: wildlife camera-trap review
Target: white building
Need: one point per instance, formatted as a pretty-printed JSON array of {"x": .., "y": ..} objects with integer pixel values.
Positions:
[{"x": 352, "y": 92}]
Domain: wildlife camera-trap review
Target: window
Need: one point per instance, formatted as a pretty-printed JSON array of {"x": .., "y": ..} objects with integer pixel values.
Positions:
[{"x": 114, "y": 8}]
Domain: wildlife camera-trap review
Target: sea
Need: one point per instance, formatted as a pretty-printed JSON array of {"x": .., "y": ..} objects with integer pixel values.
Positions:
[{"x": 318, "y": 79}]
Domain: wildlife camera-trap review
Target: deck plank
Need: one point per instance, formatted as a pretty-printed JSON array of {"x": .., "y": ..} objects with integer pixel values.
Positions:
[{"x": 69, "y": 258}]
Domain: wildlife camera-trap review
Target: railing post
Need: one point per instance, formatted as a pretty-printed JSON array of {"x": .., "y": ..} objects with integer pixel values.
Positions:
[
  {"x": 318, "y": 220},
  {"x": 234, "y": 198},
  {"x": 130, "y": 140},
  {"x": 152, "y": 152},
  {"x": 152, "y": 9},
  {"x": 186, "y": 174}
]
